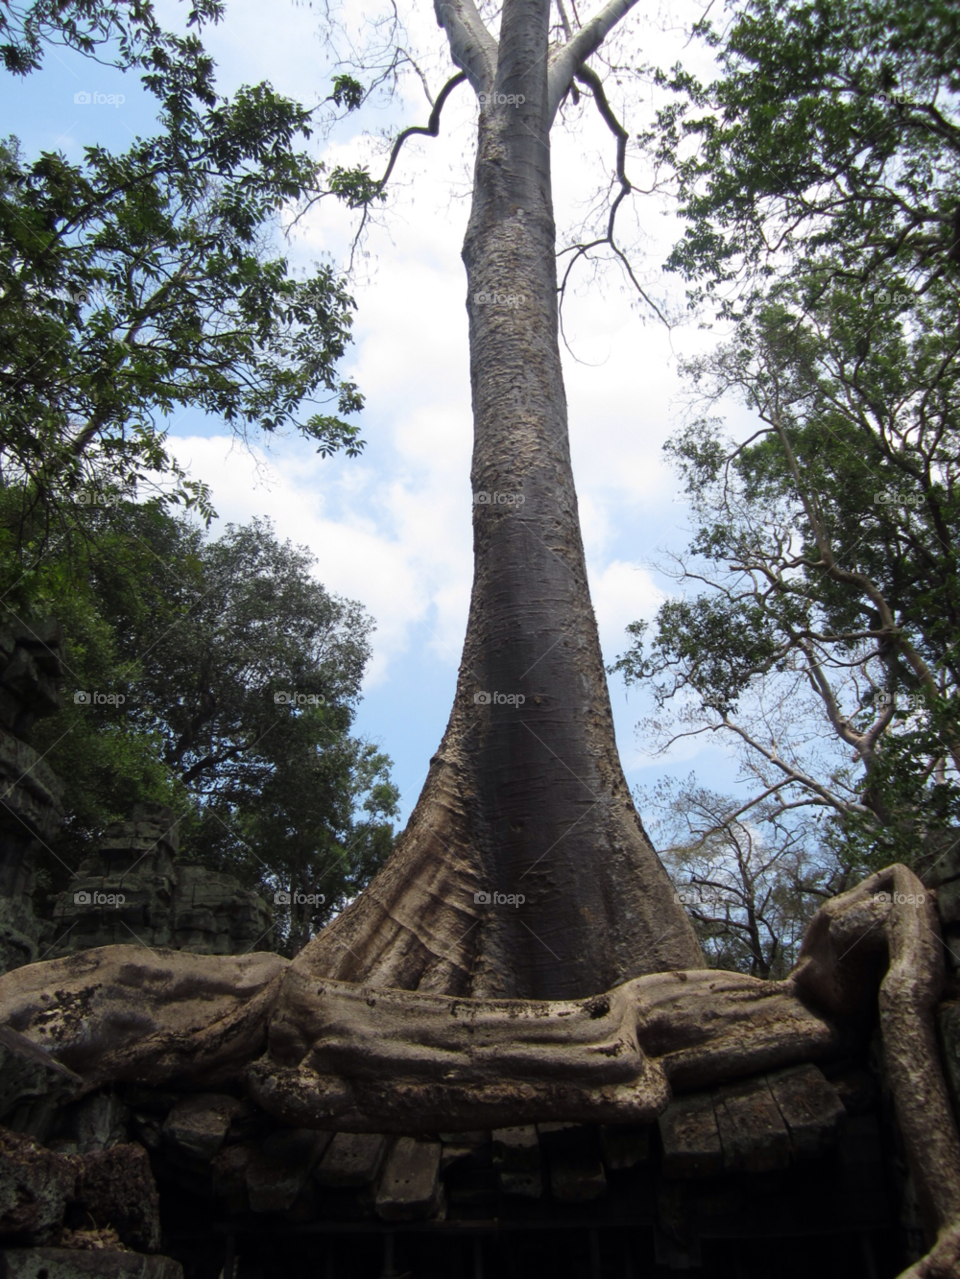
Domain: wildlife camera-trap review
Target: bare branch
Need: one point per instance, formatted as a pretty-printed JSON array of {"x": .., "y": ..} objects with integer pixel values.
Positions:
[
  {"x": 430, "y": 129},
  {"x": 568, "y": 60},
  {"x": 472, "y": 47}
]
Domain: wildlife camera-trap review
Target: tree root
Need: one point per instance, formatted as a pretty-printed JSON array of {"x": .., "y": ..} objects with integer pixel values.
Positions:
[{"x": 123, "y": 1014}]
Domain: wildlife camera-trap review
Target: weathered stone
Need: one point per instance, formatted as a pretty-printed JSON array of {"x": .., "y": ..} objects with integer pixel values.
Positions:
[
  {"x": 410, "y": 1185},
  {"x": 230, "y": 1176},
  {"x": 198, "y": 1125},
  {"x": 623, "y": 1146},
  {"x": 752, "y": 1131},
  {"x": 690, "y": 1138},
  {"x": 857, "y": 1089},
  {"x": 97, "y": 1122},
  {"x": 568, "y": 1139},
  {"x": 526, "y": 1185},
  {"x": 516, "y": 1149},
  {"x": 35, "y": 1186},
  {"x": 28, "y": 1072},
  {"x": 810, "y": 1108},
  {"x": 116, "y": 1188},
  {"x": 352, "y": 1159},
  {"x": 72, "y": 1263},
  {"x": 577, "y": 1179},
  {"x": 164, "y": 903},
  {"x": 279, "y": 1168}
]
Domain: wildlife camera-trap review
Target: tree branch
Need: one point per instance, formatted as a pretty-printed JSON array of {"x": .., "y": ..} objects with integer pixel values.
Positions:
[
  {"x": 568, "y": 60},
  {"x": 430, "y": 129},
  {"x": 472, "y": 47}
]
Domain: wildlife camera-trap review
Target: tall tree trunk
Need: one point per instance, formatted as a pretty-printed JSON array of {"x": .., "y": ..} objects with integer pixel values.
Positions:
[{"x": 526, "y": 796}]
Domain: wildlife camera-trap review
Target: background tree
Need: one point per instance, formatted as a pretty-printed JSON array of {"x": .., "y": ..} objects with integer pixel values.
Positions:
[
  {"x": 820, "y": 634},
  {"x": 135, "y": 284},
  {"x": 750, "y": 876},
  {"x": 239, "y": 677}
]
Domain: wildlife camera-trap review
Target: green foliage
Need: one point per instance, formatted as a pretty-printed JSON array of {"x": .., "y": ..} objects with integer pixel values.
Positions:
[
  {"x": 136, "y": 285},
  {"x": 347, "y": 92},
  {"x": 233, "y": 680},
  {"x": 128, "y": 33},
  {"x": 818, "y": 174},
  {"x": 355, "y": 187},
  {"x": 831, "y": 132}
]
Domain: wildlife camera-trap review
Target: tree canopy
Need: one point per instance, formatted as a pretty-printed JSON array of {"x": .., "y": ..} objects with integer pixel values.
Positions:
[
  {"x": 134, "y": 285},
  {"x": 818, "y": 626}
]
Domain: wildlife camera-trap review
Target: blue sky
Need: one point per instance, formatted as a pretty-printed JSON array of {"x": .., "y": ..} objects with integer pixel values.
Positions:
[{"x": 392, "y": 529}]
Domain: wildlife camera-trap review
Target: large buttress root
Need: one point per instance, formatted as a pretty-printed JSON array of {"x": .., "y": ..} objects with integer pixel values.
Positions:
[{"x": 122, "y": 1013}]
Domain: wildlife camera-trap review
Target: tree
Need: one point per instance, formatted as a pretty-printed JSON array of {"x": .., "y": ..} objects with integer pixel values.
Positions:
[
  {"x": 221, "y": 678},
  {"x": 751, "y": 875},
  {"x": 133, "y": 284},
  {"x": 821, "y": 637},
  {"x": 831, "y": 136},
  {"x": 526, "y": 795}
]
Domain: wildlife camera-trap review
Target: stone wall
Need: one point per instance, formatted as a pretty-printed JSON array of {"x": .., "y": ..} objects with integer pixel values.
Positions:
[
  {"x": 133, "y": 890},
  {"x": 30, "y": 793}
]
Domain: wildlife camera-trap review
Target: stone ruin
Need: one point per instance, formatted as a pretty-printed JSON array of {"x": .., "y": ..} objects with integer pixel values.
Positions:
[
  {"x": 183, "y": 1106},
  {"x": 132, "y": 890},
  {"x": 30, "y": 793}
]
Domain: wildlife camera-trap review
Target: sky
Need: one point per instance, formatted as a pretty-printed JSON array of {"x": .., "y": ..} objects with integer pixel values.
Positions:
[{"x": 392, "y": 528}]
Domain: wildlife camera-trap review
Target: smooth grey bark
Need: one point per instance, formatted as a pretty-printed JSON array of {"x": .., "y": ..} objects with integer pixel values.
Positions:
[{"x": 526, "y": 796}]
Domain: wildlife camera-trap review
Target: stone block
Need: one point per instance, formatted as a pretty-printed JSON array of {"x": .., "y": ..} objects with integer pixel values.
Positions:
[
  {"x": 116, "y": 1188},
  {"x": 281, "y": 1165},
  {"x": 35, "y": 1186},
  {"x": 753, "y": 1134},
  {"x": 198, "y": 1125},
  {"x": 810, "y": 1108},
  {"x": 230, "y": 1176},
  {"x": 624, "y": 1147},
  {"x": 351, "y": 1159},
  {"x": 73, "y": 1263},
  {"x": 516, "y": 1149},
  {"x": 28, "y": 1072},
  {"x": 410, "y": 1185},
  {"x": 526, "y": 1185},
  {"x": 97, "y": 1122},
  {"x": 577, "y": 1178},
  {"x": 690, "y": 1138}
]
